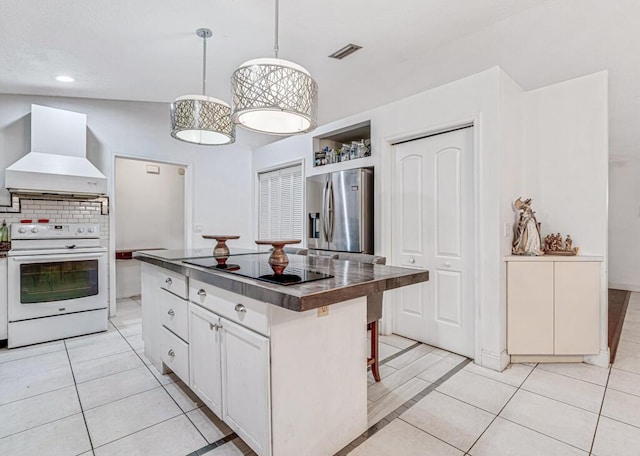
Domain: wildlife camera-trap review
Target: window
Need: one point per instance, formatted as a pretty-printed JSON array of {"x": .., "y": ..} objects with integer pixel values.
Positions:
[{"x": 280, "y": 206}]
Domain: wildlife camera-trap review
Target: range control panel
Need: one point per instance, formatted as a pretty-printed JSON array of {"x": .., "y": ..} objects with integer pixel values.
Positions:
[{"x": 54, "y": 230}]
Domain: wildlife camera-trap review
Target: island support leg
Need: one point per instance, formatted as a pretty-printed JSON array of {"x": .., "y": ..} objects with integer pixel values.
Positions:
[{"x": 374, "y": 360}]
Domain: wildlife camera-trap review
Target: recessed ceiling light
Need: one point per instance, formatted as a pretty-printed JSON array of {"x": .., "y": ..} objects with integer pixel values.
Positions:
[{"x": 63, "y": 78}]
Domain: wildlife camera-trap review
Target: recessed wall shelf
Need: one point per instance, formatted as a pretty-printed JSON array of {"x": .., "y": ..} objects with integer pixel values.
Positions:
[{"x": 349, "y": 143}]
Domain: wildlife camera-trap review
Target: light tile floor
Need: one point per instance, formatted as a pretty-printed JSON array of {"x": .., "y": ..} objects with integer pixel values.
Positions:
[
  {"x": 98, "y": 395},
  {"x": 544, "y": 409}
]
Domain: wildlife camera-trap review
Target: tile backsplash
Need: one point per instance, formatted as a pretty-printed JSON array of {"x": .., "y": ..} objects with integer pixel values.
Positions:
[{"x": 61, "y": 209}]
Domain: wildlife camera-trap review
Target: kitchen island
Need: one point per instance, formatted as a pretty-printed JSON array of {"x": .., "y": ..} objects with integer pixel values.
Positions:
[{"x": 284, "y": 366}]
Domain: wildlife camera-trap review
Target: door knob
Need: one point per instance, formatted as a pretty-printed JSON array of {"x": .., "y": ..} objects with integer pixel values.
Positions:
[
  {"x": 168, "y": 281},
  {"x": 447, "y": 264},
  {"x": 171, "y": 353},
  {"x": 171, "y": 312},
  {"x": 240, "y": 308},
  {"x": 201, "y": 292},
  {"x": 412, "y": 260}
]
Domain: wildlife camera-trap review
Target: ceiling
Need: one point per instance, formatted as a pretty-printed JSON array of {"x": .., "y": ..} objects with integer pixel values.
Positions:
[{"x": 147, "y": 49}]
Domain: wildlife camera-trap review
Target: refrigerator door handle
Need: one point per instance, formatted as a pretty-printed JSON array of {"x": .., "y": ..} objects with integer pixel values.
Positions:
[
  {"x": 325, "y": 214},
  {"x": 331, "y": 210}
]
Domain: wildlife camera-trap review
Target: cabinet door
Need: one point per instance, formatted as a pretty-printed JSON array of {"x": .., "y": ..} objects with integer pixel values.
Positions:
[
  {"x": 204, "y": 357},
  {"x": 577, "y": 308},
  {"x": 246, "y": 385},
  {"x": 530, "y": 308},
  {"x": 3, "y": 298},
  {"x": 151, "y": 326}
]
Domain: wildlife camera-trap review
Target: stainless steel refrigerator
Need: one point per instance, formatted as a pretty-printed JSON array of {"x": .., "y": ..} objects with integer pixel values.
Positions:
[{"x": 340, "y": 211}]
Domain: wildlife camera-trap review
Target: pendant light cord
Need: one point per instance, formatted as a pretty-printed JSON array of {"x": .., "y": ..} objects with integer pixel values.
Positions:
[
  {"x": 204, "y": 65},
  {"x": 275, "y": 46}
]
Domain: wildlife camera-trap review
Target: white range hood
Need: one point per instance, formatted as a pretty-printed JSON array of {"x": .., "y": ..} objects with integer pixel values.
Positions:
[{"x": 57, "y": 162}]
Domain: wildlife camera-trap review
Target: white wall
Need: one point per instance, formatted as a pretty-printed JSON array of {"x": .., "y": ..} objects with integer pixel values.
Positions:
[
  {"x": 512, "y": 150},
  {"x": 217, "y": 177},
  {"x": 624, "y": 224},
  {"x": 567, "y": 159},
  {"x": 150, "y": 211}
]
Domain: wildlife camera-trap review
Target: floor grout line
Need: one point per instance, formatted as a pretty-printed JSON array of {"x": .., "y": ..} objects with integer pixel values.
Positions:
[
  {"x": 374, "y": 428},
  {"x": 163, "y": 387},
  {"x": 595, "y": 431},
  {"x": 499, "y": 412},
  {"x": 579, "y": 379},
  {"x": 84, "y": 418}
]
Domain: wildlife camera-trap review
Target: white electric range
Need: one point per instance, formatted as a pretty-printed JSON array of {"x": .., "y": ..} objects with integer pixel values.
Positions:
[{"x": 57, "y": 282}]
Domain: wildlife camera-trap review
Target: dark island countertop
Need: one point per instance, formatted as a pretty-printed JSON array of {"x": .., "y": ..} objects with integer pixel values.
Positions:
[{"x": 351, "y": 279}]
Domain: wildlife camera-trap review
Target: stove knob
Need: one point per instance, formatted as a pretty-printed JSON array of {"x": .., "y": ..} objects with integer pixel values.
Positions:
[
  {"x": 34, "y": 229},
  {"x": 22, "y": 230},
  {"x": 80, "y": 230},
  {"x": 92, "y": 229}
]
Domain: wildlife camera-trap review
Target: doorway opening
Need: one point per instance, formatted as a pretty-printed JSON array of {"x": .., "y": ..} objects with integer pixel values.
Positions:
[{"x": 150, "y": 201}]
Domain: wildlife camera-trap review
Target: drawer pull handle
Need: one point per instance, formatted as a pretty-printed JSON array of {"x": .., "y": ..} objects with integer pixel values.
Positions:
[
  {"x": 201, "y": 292},
  {"x": 171, "y": 312},
  {"x": 412, "y": 260},
  {"x": 171, "y": 353},
  {"x": 168, "y": 281},
  {"x": 240, "y": 308}
]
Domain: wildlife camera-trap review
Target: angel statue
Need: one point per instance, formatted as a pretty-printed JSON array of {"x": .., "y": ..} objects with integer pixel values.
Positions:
[{"x": 526, "y": 237}]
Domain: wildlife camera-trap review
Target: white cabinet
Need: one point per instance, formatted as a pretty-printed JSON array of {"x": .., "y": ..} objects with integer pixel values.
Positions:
[
  {"x": 175, "y": 354},
  {"x": 229, "y": 370},
  {"x": 162, "y": 306},
  {"x": 246, "y": 386},
  {"x": 553, "y": 307},
  {"x": 271, "y": 374},
  {"x": 4, "y": 310},
  {"x": 204, "y": 357}
]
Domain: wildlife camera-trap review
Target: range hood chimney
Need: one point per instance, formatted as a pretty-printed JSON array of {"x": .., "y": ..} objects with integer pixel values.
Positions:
[{"x": 57, "y": 162}]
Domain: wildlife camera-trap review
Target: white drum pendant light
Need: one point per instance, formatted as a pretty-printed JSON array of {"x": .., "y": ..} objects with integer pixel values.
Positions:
[
  {"x": 274, "y": 96},
  {"x": 200, "y": 119}
]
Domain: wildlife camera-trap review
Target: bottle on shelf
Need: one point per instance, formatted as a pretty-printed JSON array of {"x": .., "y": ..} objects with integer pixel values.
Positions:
[{"x": 4, "y": 232}]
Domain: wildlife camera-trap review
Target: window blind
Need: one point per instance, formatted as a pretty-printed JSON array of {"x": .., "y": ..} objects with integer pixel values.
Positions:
[{"x": 280, "y": 206}]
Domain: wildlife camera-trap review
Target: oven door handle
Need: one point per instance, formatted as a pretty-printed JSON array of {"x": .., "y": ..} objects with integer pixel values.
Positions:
[{"x": 63, "y": 257}]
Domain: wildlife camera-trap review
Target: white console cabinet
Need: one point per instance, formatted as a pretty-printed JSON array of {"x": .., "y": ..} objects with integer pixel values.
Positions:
[{"x": 553, "y": 306}]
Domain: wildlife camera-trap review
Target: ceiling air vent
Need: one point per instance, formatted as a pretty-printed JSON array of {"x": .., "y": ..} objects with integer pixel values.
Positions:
[{"x": 345, "y": 51}]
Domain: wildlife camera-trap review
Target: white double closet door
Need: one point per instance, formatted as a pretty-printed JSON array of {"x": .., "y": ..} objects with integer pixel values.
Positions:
[{"x": 433, "y": 229}]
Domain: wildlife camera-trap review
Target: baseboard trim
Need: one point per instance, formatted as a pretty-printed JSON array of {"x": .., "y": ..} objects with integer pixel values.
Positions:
[
  {"x": 625, "y": 286},
  {"x": 495, "y": 361},
  {"x": 601, "y": 359}
]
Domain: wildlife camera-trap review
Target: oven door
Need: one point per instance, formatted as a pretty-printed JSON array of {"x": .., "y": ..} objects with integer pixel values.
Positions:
[{"x": 46, "y": 285}]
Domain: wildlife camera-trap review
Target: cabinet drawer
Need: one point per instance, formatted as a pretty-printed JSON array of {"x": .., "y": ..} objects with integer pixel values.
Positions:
[
  {"x": 174, "y": 314},
  {"x": 239, "y": 309},
  {"x": 175, "y": 283},
  {"x": 175, "y": 354}
]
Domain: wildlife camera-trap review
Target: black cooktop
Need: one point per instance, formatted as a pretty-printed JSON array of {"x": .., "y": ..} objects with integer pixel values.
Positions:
[{"x": 260, "y": 270}]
